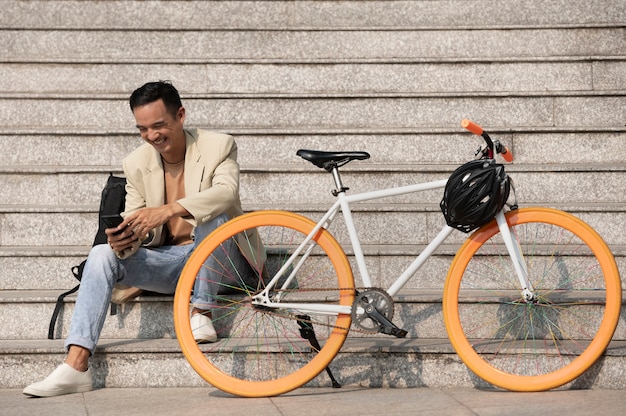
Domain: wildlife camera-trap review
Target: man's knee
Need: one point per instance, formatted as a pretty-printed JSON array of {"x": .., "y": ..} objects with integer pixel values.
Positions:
[
  {"x": 206, "y": 228},
  {"x": 102, "y": 252},
  {"x": 101, "y": 261}
]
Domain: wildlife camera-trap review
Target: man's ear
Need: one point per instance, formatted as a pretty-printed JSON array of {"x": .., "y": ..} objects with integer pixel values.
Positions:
[{"x": 181, "y": 114}]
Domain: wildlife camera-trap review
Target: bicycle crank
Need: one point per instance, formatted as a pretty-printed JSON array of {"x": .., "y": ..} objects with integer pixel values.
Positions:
[{"x": 372, "y": 312}]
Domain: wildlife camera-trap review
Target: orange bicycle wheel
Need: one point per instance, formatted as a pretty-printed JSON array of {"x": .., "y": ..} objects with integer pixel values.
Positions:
[
  {"x": 545, "y": 343},
  {"x": 260, "y": 351}
]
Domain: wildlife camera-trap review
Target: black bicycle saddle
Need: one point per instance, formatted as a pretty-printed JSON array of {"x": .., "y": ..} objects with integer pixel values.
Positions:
[{"x": 328, "y": 160}]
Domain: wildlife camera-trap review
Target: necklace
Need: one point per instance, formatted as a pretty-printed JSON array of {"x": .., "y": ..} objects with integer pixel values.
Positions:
[{"x": 176, "y": 164}]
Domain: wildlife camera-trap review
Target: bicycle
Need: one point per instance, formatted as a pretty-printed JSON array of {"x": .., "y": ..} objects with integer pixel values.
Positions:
[{"x": 531, "y": 299}]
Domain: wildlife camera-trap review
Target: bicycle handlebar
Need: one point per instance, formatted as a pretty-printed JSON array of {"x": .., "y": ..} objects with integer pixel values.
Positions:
[
  {"x": 497, "y": 146},
  {"x": 472, "y": 127}
]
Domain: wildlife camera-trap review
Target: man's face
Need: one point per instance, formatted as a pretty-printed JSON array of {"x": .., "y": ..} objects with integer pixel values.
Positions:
[{"x": 162, "y": 130}]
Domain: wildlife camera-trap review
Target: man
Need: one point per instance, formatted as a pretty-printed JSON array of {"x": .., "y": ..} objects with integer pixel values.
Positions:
[{"x": 181, "y": 185}]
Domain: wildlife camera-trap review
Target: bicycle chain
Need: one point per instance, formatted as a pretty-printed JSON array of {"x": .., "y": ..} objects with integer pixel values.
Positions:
[{"x": 310, "y": 321}]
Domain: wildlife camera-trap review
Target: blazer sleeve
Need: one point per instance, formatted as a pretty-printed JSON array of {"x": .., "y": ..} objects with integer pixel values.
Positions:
[
  {"x": 219, "y": 187},
  {"x": 134, "y": 190},
  {"x": 134, "y": 200}
]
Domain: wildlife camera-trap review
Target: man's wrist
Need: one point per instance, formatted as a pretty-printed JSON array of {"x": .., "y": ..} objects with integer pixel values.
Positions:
[{"x": 176, "y": 210}]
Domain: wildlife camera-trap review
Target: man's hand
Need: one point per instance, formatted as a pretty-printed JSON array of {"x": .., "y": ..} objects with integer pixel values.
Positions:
[
  {"x": 137, "y": 225},
  {"x": 120, "y": 237}
]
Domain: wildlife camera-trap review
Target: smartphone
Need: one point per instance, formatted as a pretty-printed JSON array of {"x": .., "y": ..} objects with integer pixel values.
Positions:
[{"x": 112, "y": 221}]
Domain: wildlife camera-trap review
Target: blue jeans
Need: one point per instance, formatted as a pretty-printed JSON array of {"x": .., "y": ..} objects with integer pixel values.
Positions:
[{"x": 154, "y": 269}]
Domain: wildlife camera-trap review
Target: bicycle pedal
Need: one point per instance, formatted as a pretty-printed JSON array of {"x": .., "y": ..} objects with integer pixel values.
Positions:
[
  {"x": 399, "y": 333},
  {"x": 393, "y": 330}
]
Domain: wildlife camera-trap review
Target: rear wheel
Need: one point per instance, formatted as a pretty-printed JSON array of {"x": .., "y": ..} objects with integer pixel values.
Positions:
[{"x": 260, "y": 351}]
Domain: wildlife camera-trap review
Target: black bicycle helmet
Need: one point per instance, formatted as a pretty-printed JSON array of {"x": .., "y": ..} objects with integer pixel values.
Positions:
[{"x": 474, "y": 194}]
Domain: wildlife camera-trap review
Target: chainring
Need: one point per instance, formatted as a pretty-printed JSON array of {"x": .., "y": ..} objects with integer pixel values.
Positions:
[{"x": 377, "y": 298}]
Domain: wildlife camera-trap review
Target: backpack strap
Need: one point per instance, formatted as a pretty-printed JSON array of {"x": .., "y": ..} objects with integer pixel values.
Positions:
[{"x": 57, "y": 309}]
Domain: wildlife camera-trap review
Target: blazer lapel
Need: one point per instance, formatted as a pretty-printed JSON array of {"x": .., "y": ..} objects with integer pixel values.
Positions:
[
  {"x": 155, "y": 182},
  {"x": 194, "y": 169}
]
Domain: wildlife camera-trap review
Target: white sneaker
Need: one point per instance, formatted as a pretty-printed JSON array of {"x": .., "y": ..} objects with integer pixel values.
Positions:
[
  {"x": 202, "y": 328},
  {"x": 63, "y": 380}
]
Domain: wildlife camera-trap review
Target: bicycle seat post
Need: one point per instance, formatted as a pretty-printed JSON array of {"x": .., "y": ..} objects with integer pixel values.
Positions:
[{"x": 338, "y": 184}]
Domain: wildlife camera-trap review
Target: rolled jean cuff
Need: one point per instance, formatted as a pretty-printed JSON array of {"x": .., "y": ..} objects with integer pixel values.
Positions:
[{"x": 81, "y": 342}]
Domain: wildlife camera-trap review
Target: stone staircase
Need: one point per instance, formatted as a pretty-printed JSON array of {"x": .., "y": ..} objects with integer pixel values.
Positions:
[{"x": 393, "y": 78}]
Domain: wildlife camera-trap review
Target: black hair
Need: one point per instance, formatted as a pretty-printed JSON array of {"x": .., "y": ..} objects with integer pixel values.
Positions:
[{"x": 153, "y": 91}]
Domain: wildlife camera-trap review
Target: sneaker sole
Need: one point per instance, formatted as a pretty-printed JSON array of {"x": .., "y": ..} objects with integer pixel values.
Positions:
[
  {"x": 46, "y": 393},
  {"x": 205, "y": 340}
]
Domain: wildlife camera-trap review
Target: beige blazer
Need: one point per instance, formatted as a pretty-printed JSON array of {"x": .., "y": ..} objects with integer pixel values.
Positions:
[{"x": 211, "y": 183}]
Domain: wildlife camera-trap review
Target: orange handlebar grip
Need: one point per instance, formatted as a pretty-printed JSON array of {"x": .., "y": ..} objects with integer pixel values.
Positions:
[
  {"x": 471, "y": 126},
  {"x": 507, "y": 155}
]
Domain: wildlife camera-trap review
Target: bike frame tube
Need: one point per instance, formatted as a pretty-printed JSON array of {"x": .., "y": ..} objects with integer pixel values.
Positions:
[{"x": 343, "y": 202}]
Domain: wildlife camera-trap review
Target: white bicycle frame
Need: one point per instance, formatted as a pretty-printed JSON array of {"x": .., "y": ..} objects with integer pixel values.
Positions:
[{"x": 343, "y": 203}]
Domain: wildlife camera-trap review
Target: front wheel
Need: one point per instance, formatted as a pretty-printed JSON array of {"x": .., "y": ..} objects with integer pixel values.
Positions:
[
  {"x": 546, "y": 342},
  {"x": 261, "y": 350}
]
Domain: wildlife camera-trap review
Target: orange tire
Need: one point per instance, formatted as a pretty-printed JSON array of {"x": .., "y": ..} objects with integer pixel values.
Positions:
[
  {"x": 539, "y": 345},
  {"x": 260, "y": 351}
]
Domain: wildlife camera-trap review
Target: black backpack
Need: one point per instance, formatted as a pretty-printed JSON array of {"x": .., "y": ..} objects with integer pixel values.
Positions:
[{"x": 112, "y": 202}]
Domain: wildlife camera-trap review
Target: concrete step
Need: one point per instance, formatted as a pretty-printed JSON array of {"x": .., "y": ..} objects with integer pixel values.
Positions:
[
  {"x": 531, "y": 188},
  {"x": 49, "y": 268},
  {"x": 327, "y": 15},
  {"x": 309, "y": 185},
  {"x": 417, "y": 310},
  {"x": 385, "y": 362},
  {"x": 150, "y": 317},
  {"x": 23, "y": 265},
  {"x": 297, "y": 45},
  {"x": 419, "y": 151},
  {"x": 383, "y": 79},
  {"x": 409, "y": 227},
  {"x": 40, "y": 268},
  {"x": 320, "y": 114}
]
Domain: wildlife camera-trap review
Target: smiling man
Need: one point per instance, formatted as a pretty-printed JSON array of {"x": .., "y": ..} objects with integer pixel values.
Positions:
[{"x": 181, "y": 185}]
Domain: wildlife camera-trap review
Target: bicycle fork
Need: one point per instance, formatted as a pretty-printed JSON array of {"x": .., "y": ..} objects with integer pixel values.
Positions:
[{"x": 517, "y": 257}]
